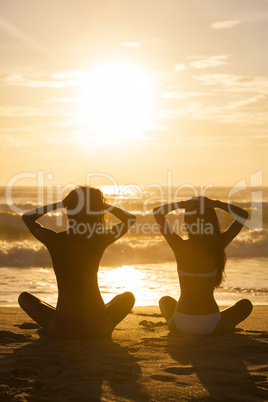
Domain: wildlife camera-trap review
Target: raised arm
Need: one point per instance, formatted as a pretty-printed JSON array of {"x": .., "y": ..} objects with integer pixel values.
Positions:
[
  {"x": 30, "y": 218},
  {"x": 117, "y": 231},
  {"x": 240, "y": 216},
  {"x": 164, "y": 227}
]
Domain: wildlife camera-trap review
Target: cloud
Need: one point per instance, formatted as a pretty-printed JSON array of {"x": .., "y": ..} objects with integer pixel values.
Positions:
[
  {"x": 211, "y": 61},
  {"x": 28, "y": 111},
  {"x": 228, "y": 113},
  {"x": 56, "y": 80},
  {"x": 231, "y": 99},
  {"x": 225, "y": 24},
  {"x": 61, "y": 100},
  {"x": 235, "y": 83},
  {"x": 72, "y": 74},
  {"x": 176, "y": 95},
  {"x": 35, "y": 128},
  {"x": 180, "y": 67},
  {"x": 257, "y": 105},
  {"x": 203, "y": 62}
]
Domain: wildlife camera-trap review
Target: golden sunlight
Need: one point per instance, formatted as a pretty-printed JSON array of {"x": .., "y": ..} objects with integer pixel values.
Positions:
[
  {"x": 115, "y": 102},
  {"x": 125, "y": 278}
]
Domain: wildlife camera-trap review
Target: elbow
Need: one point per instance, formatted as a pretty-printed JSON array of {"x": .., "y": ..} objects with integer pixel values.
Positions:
[
  {"x": 243, "y": 217},
  {"x": 156, "y": 210},
  {"x": 24, "y": 217},
  {"x": 244, "y": 214},
  {"x": 132, "y": 220}
]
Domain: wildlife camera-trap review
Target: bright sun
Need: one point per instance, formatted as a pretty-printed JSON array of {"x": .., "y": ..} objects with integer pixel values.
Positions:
[{"x": 115, "y": 102}]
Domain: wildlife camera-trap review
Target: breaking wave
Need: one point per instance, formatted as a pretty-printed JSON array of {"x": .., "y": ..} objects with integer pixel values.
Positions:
[
  {"x": 131, "y": 250},
  {"x": 143, "y": 244}
]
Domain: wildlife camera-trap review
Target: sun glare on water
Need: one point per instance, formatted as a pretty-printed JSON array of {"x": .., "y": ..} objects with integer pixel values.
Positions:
[
  {"x": 122, "y": 279},
  {"x": 115, "y": 102}
]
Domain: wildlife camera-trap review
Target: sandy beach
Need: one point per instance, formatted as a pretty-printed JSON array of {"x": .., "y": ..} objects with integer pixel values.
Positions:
[{"x": 142, "y": 362}]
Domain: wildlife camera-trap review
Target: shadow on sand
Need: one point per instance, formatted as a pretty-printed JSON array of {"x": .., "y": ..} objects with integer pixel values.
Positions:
[
  {"x": 222, "y": 363},
  {"x": 49, "y": 369}
]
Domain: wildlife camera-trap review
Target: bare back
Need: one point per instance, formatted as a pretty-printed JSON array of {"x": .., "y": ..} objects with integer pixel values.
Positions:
[
  {"x": 195, "y": 265},
  {"x": 76, "y": 262}
]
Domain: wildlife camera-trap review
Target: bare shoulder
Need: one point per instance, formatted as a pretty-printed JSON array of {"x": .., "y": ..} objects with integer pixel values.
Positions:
[{"x": 49, "y": 236}]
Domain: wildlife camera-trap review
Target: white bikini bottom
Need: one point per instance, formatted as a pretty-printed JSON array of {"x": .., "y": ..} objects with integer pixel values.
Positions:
[{"x": 196, "y": 324}]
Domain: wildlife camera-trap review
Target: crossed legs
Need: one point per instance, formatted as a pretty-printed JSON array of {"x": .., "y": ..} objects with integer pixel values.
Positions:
[
  {"x": 120, "y": 306},
  {"x": 230, "y": 316},
  {"x": 233, "y": 315},
  {"x": 42, "y": 313},
  {"x": 167, "y": 307},
  {"x": 38, "y": 310}
]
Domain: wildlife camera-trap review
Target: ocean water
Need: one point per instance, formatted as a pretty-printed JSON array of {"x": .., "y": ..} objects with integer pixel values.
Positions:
[{"x": 141, "y": 260}]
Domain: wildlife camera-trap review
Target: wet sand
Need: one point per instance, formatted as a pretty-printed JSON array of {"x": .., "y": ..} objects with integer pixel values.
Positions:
[{"x": 142, "y": 362}]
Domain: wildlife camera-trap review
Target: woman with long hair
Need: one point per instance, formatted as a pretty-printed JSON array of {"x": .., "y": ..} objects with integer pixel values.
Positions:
[
  {"x": 76, "y": 254},
  {"x": 200, "y": 264}
]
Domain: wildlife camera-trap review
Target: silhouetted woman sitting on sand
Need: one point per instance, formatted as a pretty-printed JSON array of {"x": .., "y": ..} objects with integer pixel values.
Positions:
[
  {"x": 201, "y": 261},
  {"x": 80, "y": 311}
]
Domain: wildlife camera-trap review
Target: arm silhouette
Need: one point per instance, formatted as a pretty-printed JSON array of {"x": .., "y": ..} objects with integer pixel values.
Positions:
[
  {"x": 118, "y": 230},
  {"x": 29, "y": 218},
  {"x": 240, "y": 216},
  {"x": 159, "y": 212}
]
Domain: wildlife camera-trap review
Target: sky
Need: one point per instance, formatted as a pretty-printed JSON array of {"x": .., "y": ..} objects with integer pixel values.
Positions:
[{"x": 134, "y": 92}]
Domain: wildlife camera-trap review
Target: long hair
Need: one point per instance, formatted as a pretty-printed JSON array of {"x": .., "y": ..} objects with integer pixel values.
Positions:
[
  {"x": 85, "y": 204},
  {"x": 204, "y": 227}
]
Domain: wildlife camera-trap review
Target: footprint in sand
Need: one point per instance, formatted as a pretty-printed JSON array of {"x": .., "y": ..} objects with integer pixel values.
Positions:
[
  {"x": 9, "y": 337},
  {"x": 257, "y": 378},
  {"x": 163, "y": 378},
  {"x": 150, "y": 325},
  {"x": 28, "y": 325},
  {"x": 180, "y": 370},
  {"x": 154, "y": 341},
  {"x": 149, "y": 315}
]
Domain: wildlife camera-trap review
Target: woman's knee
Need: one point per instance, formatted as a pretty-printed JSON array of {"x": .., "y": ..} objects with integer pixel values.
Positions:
[
  {"x": 245, "y": 305},
  {"x": 163, "y": 299},
  {"x": 167, "y": 306},
  {"x": 129, "y": 299},
  {"x": 23, "y": 297},
  {"x": 166, "y": 301}
]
